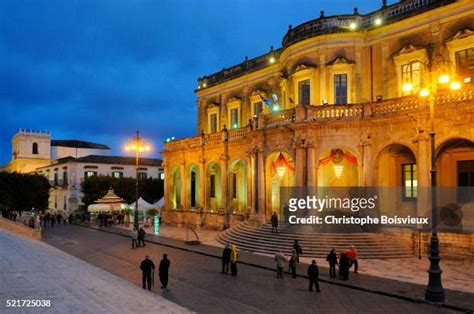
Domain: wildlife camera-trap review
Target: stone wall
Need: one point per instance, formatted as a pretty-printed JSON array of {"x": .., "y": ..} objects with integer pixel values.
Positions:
[
  {"x": 197, "y": 220},
  {"x": 20, "y": 229},
  {"x": 456, "y": 246}
]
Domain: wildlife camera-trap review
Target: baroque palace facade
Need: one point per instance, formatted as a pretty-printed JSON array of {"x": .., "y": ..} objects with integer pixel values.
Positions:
[{"x": 344, "y": 102}]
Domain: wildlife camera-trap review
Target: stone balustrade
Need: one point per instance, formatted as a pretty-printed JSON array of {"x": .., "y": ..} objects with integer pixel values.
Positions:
[{"x": 325, "y": 113}]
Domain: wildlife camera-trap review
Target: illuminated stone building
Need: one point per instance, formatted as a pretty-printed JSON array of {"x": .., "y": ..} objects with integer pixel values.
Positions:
[{"x": 345, "y": 101}]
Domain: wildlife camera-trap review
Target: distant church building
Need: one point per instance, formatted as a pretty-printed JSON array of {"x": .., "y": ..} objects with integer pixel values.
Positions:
[{"x": 67, "y": 163}]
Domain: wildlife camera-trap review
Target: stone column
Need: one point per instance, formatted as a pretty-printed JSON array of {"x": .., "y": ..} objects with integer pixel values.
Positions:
[
  {"x": 311, "y": 166},
  {"x": 166, "y": 189},
  {"x": 250, "y": 192},
  {"x": 202, "y": 184},
  {"x": 225, "y": 178},
  {"x": 300, "y": 167},
  {"x": 423, "y": 162},
  {"x": 261, "y": 182},
  {"x": 322, "y": 77},
  {"x": 367, "y": 166}
]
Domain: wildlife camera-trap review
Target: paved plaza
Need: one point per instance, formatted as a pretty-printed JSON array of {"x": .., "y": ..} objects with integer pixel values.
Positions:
[
  {"x": 34, "y": 270},
  {"x": 196, "y": 282}
]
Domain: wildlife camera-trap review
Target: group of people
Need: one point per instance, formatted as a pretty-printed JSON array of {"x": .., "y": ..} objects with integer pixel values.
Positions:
[
  {"x": 138, "y": 237},
  {"x": 148, "y": 269},
  {"x": 347, "y": 259}
]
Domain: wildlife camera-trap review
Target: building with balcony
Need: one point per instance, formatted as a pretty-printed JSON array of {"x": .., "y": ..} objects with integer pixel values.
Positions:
[{"x": 345, "y": 101}]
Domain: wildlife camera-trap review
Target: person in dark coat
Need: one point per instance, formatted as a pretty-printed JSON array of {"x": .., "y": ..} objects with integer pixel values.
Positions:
[
  {"x": 332, "y": 260},
  {"x": 163, "y": 269},
  {"x": 53, "y": 221},
  {"x": 299, "y": 250},
  {"x": 274, "y": 221},
  {"x": 59, "y": 218},
  {"x": 313, "y": 275},
  {"x": 147, "y": 267},
  {"x": 141, "y": 237},
  {"x": 292, "y": 263},
  {"x": 70, "y": 218},
  {"x": 344, "y": 265},
  {"x": 226, "y": 259}
]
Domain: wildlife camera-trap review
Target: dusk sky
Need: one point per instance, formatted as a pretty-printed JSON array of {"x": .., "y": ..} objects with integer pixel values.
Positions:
[{"x": 99, "y": 70}]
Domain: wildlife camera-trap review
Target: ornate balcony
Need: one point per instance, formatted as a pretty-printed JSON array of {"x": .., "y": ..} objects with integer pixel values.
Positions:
[{"x": 329, "y": 113}]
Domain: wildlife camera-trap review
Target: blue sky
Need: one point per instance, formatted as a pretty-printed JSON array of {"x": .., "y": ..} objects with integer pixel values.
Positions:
[{"x": 98, "y": 70}]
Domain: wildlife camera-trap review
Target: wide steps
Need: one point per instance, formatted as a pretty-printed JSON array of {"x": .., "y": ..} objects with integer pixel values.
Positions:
[{"x": 261, "y": 240}]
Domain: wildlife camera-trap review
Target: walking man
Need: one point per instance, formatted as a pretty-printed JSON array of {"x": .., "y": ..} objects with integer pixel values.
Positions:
[
  {"x": 234, "y": 256},
  {"x": 292, "y": 263},
  {"x": 313, "y": 274},
  {"x": 147, "y": 267},
  {"x": 332, "y": 260},
  {"x": 134, "y": 234},
  {"x": 280, "y": 264},
  {"x": 141, "y": 237},
  {"x": 274, "y": 221},
  {"x": 163, "y": 269},
  {"x": 226, "y": 259}
]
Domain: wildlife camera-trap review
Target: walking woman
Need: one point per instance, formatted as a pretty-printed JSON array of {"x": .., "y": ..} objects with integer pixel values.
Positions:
[
  {"x": 234, "y": 256},
  {"x": 292, "y": 263}
]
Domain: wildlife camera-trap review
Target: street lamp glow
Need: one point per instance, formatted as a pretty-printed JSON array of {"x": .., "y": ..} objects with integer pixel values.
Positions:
[
  {"x": 455, "y": 85},
  {"x": 407, "y": 87},
  {"x": 272, "y": 60},
  {"x": 424, "y": 92},
  {"x": 378, "y": 21},
  {"x": 353, "y": 25},
  {"x": 443, "y": 79}
]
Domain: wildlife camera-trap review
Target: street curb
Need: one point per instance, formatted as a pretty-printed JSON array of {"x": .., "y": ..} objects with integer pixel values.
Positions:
[{"x": 342, "y": 284}]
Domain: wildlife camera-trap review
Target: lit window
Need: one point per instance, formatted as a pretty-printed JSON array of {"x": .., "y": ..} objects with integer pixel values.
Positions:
[
  {"x": 465, "y": 62},
  {"x": 340, "y": 88},
  {"x": 409, "y": 181},
  {"x": 213, "y": 121},
  {"x": 304, "y": 92},
  {"x": 234, "y": 117},
  {"x": 117, "y": 174},
  {"x": 411, "y": 74},
  {"x": 89, "y": 174},
  {"x": 258, "y": 108}
]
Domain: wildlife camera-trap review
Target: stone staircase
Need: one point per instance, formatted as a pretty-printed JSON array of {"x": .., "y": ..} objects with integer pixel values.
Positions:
[{"x": 260, "y": 239}]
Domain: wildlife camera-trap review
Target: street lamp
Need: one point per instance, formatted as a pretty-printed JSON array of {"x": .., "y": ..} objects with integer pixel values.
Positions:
[
  {"x": 435, "y": 291},
  {"x": 139, "y": 146}
]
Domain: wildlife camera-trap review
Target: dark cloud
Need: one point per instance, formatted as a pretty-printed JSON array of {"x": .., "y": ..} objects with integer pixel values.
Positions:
[{"x": 98, "y": 70}]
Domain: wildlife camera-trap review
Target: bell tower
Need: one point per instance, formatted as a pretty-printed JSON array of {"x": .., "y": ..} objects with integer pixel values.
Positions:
[{"x": 30, "y": 150}]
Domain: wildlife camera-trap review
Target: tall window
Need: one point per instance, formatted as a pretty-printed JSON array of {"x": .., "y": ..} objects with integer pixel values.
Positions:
[
  {"x": 465, "y": 62},
  {"x": 117, "y": 174},
  {"x": 304, "y": 92},
  {"x": 234, "y": 185},
  {"x": 409, "y": 181},
  {"x": 142, "y": 175},
  {"x": 65, "y": 178},
  {"x": 234, "y": 118},
  {"x": 56, "y": 181},
  {"x": 340, "y": 88},
  {"x": 35, "y": 149},
  {"x": 213, "y": 120},
  {"x": 257, "y": 108},
  {"x": 56, "y": 202},
  {"x": 212, "y": 183},
  {"x": 465, "y": 172},
  {"x": 64, "y": 203},
  {"x": 411, "y": 74}
]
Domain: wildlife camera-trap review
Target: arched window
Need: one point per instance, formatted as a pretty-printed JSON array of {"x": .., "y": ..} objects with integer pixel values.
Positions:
[{"x": 35, "y": 148}]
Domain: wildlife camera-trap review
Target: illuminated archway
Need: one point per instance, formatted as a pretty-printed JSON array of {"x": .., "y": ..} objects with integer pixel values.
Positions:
[
  {"x": 338, "y": 167},
  {"x": 213, "y": 188},
  {"x": 175, "y": 188},
  {"x": 455, "y": 162},
  {"x": 192, "y": 186},
  {"x": 238, "y": 186},
  {"x": 280, "y": 174}
]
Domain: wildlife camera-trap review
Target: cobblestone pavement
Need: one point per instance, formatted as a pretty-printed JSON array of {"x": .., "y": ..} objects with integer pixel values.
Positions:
[
  {"x": 34, "y": 270},
  {"x": 196, "y": 281}
]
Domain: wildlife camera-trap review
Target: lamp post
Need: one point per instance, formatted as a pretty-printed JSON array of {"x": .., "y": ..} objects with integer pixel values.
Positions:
[
  {"x": 435, "y": 291},
  {"x": 138, "y": 146}
]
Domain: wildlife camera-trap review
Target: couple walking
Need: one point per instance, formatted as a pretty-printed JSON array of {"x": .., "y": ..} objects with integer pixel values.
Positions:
[
  {"x": 138, "y": 237},
  {"x": 148, "y": 267},
  {"x": 313, "y": 271},
  {"x": 230, "y": 255}
]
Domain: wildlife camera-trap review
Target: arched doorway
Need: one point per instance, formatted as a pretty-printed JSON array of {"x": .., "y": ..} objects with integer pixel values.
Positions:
[
  {"x": 175, "y": 188},
  {"x": 193, "y": 186},
  {"x": 214, "y": 186},
  {"x": 397, "y": 179},
  {"x": 338, "y": 167},
  {"x": 280, "y": 174},
  {"x": 238, "y": 186},
  {"x": 455, "y": 163}
]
